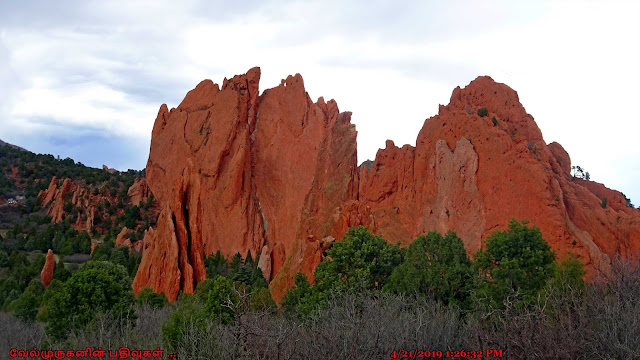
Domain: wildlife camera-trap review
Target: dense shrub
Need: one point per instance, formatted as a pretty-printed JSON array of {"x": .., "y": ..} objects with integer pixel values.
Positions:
[
  {"x": 482, "y": 112},
  {"x": 360, "y": 261},
  {"x": 434, "y": 265},
  {"x": 97, "y": 287},
  {"x": 151, "y": 298},
  {"x": 515, "y": 263}
]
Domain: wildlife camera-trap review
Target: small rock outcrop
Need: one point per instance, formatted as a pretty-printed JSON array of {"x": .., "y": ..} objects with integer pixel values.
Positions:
[
  {"x": 47, "y": 271},
  {"x": 139, "y": 192}
]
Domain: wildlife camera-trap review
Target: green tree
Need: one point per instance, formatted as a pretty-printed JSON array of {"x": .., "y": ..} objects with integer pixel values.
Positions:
[
  {"x": 482, "y": 112},
  {"x": 97, "y": 287},
  {"x": 360, "y": 261},
  {"x": 261, "y": 300},
  {"x": 218, "y": 298},
  {"x": 434, "y": 265},
  {"x": 568, "y": 274},
  {"x": 516, "y": 261},
  {"x": 216, "y": 265},
  {"x": 26, "y": 306},
  {"x": 189, "y": 314},
  {"x": 302, "y": 299},
  {"x": 151, "y": 298}
]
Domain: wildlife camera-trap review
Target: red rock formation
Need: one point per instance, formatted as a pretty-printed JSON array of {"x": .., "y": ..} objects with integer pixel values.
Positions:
[
  {"x": 121, "y": 238},
  {"x": 502, "y": 171},
  {"x": 47, "y": 271},
  {"x": 244, "y": 171},
  {"x": 79, "y": 197},
  {"x": 276, "y": 173},
  {"x": 139, "y": 191}
]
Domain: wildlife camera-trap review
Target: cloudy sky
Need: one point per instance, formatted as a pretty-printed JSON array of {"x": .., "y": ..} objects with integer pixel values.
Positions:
[{"x": 85, "y": 79}]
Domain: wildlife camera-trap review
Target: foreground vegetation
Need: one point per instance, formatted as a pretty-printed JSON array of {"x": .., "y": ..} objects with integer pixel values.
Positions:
[{"x": 370, "y": 298}]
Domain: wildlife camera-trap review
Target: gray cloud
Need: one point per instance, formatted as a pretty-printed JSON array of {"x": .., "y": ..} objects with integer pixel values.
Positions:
[{"x": 85, "y": 79}]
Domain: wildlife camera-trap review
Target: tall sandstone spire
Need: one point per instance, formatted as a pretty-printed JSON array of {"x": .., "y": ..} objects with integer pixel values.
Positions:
[{"x": 276, "y": 173}]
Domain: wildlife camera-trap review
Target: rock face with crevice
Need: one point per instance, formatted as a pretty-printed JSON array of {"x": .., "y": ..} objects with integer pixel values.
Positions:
[
  {"x": 276, "y": 173},
  {"x": 238, "y": 171}
]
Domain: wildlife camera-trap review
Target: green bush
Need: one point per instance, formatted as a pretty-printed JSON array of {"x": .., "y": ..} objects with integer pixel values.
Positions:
[
  {"x": 188, "y": 315},
  {"x": 97, "y": 287},
  {"x": 494, "y": 121},
  {"x": 151, "y": 298},
  {"x": 482, "y": 112},
  {"x": 434, "y": 265},
  {"x": 261, "y": 300},
  {"x": 26, "y": 306},
  {"x": 603, "y": 202},
  {"x": 218, "y": 298},
  {"x": 360, "y": 261},
  {"x": 515, "y": 262},
  {"x": 302, "y": 299}
]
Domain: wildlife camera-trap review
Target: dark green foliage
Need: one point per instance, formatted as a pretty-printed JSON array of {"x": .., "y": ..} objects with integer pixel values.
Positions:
[
  {"x": 494, "y": 121},
  {"x": 515, "y": 262},
  {"x": 26, "y": 306},
  {"x": 131, "y": 216},
  {"x": 236, "y": 261},
  {"x": 261, "y": 300},
  {"x": 434, "y": 265},
  {"x": 97, "y": 287},
  {"x": 4, "y": 259},
  {"x": 216, "y": 265},
  {"x": 568, "y": 275},
  {"x": 60, "y": 272},
  {"x": 61, "y": 237},
  {"x": 153, "y": 299},
  {"x": 103, "y": 252},
  {"x": 149, "y": 203},
  {"x": 360, "y": 261},
  {"x": 10, "y": 290},
  {"x": 629, "y": 203},
  {"x": 120, "y": 256},
  {"x": 246, "y": 271},
  {"x": 188, "y": 315},
  {"x": 302, "y": 299},
  {"x": 603, "y": 202},
  {"x": 218, "y": 298},
  {"x": 68, "y": 207},
  {"x": 482, "y": 112}
]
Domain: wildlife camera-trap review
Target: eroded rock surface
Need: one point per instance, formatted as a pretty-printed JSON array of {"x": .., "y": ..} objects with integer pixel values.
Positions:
[
  {"x": 47, "y": 270},
  {"x": 277, "y": 173}
]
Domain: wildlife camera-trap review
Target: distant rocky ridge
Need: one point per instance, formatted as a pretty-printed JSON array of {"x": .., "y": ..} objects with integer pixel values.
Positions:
[
  {"x": 277, "y": 174},
  {"x": 2, "y": 143}
]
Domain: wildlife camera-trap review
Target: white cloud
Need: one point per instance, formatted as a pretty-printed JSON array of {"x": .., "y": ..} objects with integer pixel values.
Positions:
[{"x": 107, "y": 66}]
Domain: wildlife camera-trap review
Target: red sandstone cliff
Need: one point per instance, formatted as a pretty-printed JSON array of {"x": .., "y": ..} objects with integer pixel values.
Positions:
[{"x": 277, "y": 173}]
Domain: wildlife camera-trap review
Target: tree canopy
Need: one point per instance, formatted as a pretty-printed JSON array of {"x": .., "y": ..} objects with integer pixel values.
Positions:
[{"x": 514, "y": 262}]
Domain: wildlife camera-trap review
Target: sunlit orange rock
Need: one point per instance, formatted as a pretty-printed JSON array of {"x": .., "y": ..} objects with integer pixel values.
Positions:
[
  {"x": 276, "y": 173},
  {"x": 138, "y": 192},
  {"x": 234, "y": 171},
  {"x": 47, "y": 271}
]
